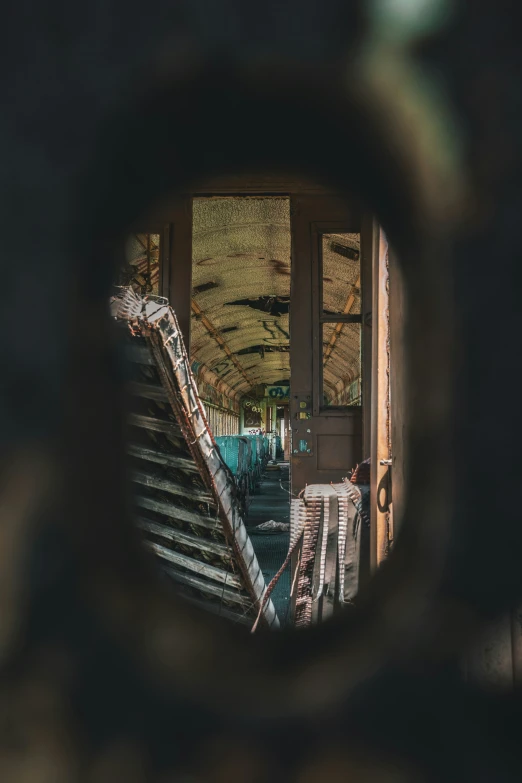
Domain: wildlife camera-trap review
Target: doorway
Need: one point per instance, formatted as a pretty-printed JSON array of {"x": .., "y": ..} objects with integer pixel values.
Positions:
[{"x": 279, "y": 329}]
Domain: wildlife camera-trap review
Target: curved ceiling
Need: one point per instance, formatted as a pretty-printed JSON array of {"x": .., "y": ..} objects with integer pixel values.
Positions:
[
  {"x": 241, "y": 293},
  {"x": 241, "y": 289}
]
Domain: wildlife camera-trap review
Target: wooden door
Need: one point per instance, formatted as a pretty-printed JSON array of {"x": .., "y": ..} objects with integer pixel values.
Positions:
[
  {"x": 328, "y": 340},
  {"x": 286, "y": 419}
]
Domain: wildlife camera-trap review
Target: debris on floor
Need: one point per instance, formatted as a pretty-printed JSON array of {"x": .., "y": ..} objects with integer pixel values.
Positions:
[
  {"x": 272, "y": 527},
  {"x": 271, "y": 503}
]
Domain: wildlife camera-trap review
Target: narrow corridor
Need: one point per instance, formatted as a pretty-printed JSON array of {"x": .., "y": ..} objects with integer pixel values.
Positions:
[{"x": 272, "y": 501}]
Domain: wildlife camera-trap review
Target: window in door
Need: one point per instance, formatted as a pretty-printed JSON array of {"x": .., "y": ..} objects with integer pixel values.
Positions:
[{"x": 340, "y": 319}]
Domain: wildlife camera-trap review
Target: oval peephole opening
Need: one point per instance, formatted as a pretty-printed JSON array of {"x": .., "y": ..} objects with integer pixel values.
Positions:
[{"x": 258, "y": 451}]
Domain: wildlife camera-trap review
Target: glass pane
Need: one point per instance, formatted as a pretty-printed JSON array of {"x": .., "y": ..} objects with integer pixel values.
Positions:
[
  {"x": 341, "y": 273},
  {"x": 141, "y": 269},
  {"x": 341, "y": 364},
  {"x": 241, "y": 259}
]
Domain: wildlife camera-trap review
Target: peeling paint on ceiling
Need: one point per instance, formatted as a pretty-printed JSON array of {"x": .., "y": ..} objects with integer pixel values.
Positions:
[{"x": 242, "y": 246}]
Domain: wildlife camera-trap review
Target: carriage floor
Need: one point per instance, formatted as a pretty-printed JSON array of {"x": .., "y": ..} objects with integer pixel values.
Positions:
[{"x": 272, "y": 501}]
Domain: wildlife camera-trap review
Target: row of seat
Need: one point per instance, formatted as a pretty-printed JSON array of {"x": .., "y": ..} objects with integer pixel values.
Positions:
[{"x": 246, "y": 456}]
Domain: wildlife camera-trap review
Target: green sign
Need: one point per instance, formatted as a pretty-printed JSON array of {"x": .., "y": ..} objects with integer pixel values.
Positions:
[{"x": 278, "y": 393}]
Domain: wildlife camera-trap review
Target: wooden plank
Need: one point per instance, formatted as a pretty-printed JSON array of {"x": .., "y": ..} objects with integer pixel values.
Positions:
[
  {"x": 177, "y": 514},
  {"x": 211, "y": 588},
  {"x": 162, "y": 458},
  {"x": 156, "y": 425},
  {"x": 139, "y": 354},
  {"x": 165, "y": 485},
  {"x": 173, "y": 534},
  {"x": 151, "y": 391},
  {"x": 198, "y": 567}
]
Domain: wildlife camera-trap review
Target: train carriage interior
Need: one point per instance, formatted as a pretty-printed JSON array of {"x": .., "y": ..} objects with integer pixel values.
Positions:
[{"x": 272, "y": 295}]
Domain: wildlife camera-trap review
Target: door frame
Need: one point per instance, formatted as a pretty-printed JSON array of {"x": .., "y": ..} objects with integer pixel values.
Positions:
[{"x": 312, "y": 215}]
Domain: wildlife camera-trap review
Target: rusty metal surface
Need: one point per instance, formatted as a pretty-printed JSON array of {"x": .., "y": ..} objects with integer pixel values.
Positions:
[{"x": 103, "y": 678}]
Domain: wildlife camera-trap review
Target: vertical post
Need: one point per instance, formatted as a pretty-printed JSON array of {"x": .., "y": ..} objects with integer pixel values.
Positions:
[
  {"x": 369, "y": 239},
  {"x": 379, "y": 402},
  {"x": 287, "y": 432},
  {"x": 180, "y": 263},
  {"x": 301, "y": 334},
  {"x": 274, "y": 428},
  {"x": 516, "y": 644}
]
